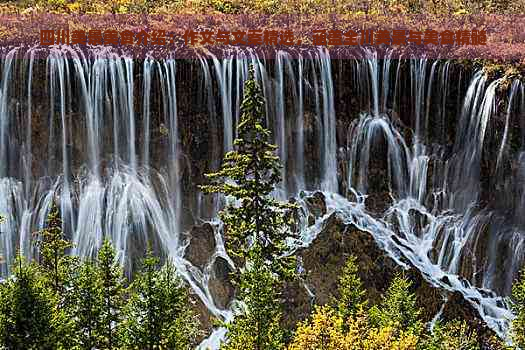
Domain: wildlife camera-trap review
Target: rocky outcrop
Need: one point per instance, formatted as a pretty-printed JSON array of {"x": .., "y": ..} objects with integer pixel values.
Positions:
[
  {"x": 316, "y": 207},
  {"x": 220, "y": 286},
  {"x": 325, "y": 257},
  {"x": 322, "y": 262},
  {"x": 201, "y": 246},
  {"x": 199, "y": 252},
  {"x": 206, "y": 319},
  {"x": 456, "y": 307}
]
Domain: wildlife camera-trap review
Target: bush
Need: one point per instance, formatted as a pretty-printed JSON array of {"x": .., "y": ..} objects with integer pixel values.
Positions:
[{"x": 323, "y": 331}]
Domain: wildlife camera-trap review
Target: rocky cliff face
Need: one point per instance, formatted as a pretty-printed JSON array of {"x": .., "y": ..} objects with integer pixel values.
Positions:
[
  {"x": 435, "y": 148},
  {"x": 321, "y": 264}
]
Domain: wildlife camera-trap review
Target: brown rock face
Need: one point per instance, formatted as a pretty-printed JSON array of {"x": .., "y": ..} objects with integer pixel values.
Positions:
[
  {"x": 316, "y": 206},
  {"x": 202, "y": 245},
  {"x": 222, "y": 292},
  {"x": 324, "y": 258},
  {"x": 297, "y": 303},
  {"x": 199, "y": 252},
  {"x": 205, "y": 318},
  {"x": 323, "y": 261},
  {"x": 220, "y": 286}
]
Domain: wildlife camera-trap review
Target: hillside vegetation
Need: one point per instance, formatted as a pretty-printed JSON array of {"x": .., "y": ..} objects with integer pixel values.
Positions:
[{"x": 267, "y": 6}]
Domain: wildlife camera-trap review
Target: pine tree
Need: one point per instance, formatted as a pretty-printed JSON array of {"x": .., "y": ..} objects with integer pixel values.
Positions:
[
  {"x": 351, "y": 298},
  {"x": 57, "y": 268},
  {"x": 256, "y": 227},
  {"x": 53, "y": 247},
  {"x": 26, "y": 310},
  {"x": 158, "y": 313},
  {"x": 112, "y": 282},
  {"x": 258, "y": 327},
  {"x": 250, "y": 173},
  {"x": 398, "y": 308},
  {"x": 86, "y": 304}
]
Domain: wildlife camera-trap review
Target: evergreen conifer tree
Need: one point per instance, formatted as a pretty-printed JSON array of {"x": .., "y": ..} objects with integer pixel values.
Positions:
[
  {"x": 85, "y": 305},
  {"x": 249, "y": 174},
  {"x": 399, "y": 307},
  {"x": 112, "y": 283},
  {"x": 53, "y": 248},
  {"x": 351, "y": 297},
  {"x": 158, "y": 313},
  {"x": 56, "y": 268},
  {"x": 258, "y": 326},
  {"x": 256, "y": 227},
  {"x": 26, "y": 310}
]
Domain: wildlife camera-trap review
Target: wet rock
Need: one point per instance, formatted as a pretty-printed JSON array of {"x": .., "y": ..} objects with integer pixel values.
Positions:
[
  {"x": 222, "y": 292},
  {"x": 481, "y": 247},
  {"x": 446, "y": 281},
  {"x": 312, "y": 133},
  {"x": 296, "y": 214},
  {"x": 378, "y": 201},
  {"x": 429, "y": 298},
  {"x": 457, "y": 307},
  {"x": 316, "y": 206},
  {"x": 220, "y": 286},
  {"x": 324, "y": 259},
  {"x": 206, "y": 319},
  {"x": 351, "y": 196},
  {"x": 439, "y": 241},
  {"x": 342, "y": 170},
  {"x": 400, "y": 243},
  {"x": 297, "y": 303},
  {"x": 419, "y": 220},
  {"x": 202, "y": 245},
  {"x": 378, "y": 177}
]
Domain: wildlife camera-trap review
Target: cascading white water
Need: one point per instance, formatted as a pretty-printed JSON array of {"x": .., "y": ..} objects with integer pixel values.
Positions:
[{"x": 116, "y": 158}]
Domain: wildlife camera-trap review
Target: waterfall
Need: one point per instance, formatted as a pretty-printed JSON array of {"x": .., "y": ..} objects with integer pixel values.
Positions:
[
  {"x": 299, "y": 125},
  {"x": 329, "y": 149},
  {"x": 282, "y": 63},
  {"x": 121, "y": 145}
]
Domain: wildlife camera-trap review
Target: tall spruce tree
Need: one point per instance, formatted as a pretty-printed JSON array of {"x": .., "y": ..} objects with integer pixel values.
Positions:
[
  {"x": 112, "y": 282},
  {"x": 258, "y": 326},
  {"x": 85, "y": 305},
  {"x": 256, "y": 226},
  {"x": 53, "y": 248},
  {"x": 250, "y": 173},
  {"x": 352, "y": 296},
  {"x": 57, "y": 267},
  {"x": 158, "y": 312},
  {"x": 26, "y": 310},
  {"x": 399, "y": 307}
]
